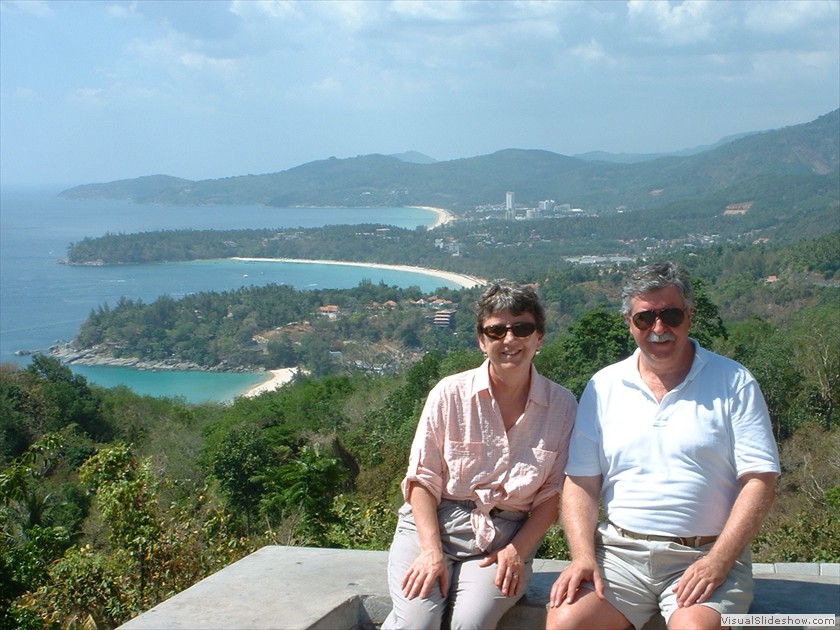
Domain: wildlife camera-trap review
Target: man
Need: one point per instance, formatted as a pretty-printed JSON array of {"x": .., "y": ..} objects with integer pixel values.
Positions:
[{"x": 678, "y": 443}]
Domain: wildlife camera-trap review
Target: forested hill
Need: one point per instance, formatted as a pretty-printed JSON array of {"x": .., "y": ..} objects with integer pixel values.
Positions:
[{"x": 534, "y": 175}]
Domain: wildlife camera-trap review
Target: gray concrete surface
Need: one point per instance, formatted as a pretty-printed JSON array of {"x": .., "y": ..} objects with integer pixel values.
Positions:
[{"x": 286, "y": 588}]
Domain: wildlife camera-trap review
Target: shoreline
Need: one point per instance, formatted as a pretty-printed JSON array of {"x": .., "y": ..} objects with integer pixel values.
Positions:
[
  {"x": 279, "y": 377},
  {"x": 443, "y": 215},
  {"x": 274, "y": 380},
  {"x": 461, "y": 279}
]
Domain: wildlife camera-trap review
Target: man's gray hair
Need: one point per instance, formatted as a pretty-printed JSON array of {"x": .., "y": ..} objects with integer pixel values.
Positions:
[
  {"x": 502, "y": 295},
  {"x": 656, "y": 276}
]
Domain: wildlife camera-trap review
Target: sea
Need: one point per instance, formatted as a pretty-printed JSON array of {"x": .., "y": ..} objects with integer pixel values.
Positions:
[{"x": 43, "y": 302}]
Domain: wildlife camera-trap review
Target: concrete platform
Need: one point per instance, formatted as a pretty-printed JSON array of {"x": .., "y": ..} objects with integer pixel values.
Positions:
[{"x": 336, "y": 589}]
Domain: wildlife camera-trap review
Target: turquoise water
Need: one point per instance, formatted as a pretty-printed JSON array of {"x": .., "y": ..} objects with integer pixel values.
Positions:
[
  {"x": 194, "y": 387},
  {"x": 43, "y": 302}
]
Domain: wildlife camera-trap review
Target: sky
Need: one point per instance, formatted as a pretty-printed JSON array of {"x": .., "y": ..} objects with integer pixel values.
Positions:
[{"x": 105, "y": 90}]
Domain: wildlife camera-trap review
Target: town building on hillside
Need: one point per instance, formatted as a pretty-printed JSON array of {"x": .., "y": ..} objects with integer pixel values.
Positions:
[
  {"x": 330, "y": 310},
  {"x": 445, "y": 319}
]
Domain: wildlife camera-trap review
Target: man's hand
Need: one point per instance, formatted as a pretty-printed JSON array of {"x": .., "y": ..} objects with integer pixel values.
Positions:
[
  {"x": 566, "y": 586},
  {"x": 511, "y": 571},
  {"x": 423, "y": 573},
  {"x": 751, "y": 506},
  {"x": 699, "y": 581},
  {"x": 580, "y": 518}
]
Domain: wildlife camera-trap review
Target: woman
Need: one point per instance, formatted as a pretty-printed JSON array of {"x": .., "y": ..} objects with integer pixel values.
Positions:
[{"x": 484, "y": 476}]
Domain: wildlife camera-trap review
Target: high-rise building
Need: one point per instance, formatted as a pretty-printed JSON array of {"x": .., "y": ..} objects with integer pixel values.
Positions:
[{"x": 510, "y": 213}]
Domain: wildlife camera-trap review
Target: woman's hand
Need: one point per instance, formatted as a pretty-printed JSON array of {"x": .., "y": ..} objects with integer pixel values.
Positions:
[
  {"x": 511, "y": 571},
  {"x": 423, "y": 573}
]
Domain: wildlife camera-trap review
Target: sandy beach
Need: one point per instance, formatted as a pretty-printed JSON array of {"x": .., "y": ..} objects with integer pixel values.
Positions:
[
  {"x": 278, "y": 379},
  {"x": 443, "y": 216},
  {"x": 460, "y": 279}
]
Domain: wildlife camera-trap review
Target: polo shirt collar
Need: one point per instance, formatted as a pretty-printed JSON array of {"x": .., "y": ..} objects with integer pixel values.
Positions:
[{"x": 630, "y": 365}]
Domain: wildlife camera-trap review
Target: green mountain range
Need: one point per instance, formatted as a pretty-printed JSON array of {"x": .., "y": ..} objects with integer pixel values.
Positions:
[{"x": 460, "y": 185}]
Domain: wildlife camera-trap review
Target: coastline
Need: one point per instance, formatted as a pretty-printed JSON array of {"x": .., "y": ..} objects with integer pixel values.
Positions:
[
  {"x": 461, "y": 279},
  {"x": 66, "y": 354},
  {"x": 443, "y": 215},
  {"x": 278, "y": 378}
]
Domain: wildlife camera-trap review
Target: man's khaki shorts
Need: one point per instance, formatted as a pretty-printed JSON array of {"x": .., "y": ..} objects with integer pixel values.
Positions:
[{"x": 639, "y": 576}]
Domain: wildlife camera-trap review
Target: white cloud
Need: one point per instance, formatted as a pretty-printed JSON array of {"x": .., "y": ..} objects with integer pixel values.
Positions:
[
  {"x": 198, "y": 61},
  {"x": 428, "y": 10},
  {"x": 122, "y": 11},
  {"x": 784, "y": 17},
  {"x": 88, "y": 97},
  {"x": 592, "y": 52},
  {"x": 24, "y": 94},
  {"x": 326, "y": 85},
  {"x": 38, "y": 8},
  {"x": 676, "y": 24},
  {"x": 272, "y": 8}
]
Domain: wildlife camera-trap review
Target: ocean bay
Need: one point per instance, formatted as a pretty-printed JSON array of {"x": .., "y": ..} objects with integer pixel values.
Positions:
[{"x": 44, "y": 302}]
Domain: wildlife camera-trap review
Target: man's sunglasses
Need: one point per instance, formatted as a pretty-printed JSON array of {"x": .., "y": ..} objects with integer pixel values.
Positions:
[
  {"x": 519, "y": 329},
  {"x": 669, "y": 316}
]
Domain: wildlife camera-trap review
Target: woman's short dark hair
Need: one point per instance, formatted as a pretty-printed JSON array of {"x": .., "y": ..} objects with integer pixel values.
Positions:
[
  {"x": 656, "y": 276},
  {"x": 502, "y": 295}
]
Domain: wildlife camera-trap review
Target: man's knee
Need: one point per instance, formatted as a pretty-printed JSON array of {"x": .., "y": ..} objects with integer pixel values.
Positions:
[
  {"x": 696, "y": 617},
  {"x": 587, "y": 611}
]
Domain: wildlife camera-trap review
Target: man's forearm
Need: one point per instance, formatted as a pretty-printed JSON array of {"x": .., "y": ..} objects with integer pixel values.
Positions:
[
  {"x": 580, "y": 514},
  {"x": 750, "y": 509}
]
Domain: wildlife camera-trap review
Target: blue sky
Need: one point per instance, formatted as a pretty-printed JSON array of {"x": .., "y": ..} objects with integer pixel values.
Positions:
[{"x": 99, "y": 91}]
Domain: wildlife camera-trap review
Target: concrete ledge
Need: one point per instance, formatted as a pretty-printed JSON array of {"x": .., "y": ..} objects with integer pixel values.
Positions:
[{"x": 330, "y": 589}]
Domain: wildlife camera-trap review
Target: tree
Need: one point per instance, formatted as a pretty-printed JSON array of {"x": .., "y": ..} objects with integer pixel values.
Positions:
[
  {"x": 707, "y": 324},
  {"x": 315, "y": 352},
  {"x": 596, "y": 340},
  {"x": 459, "y": 361},
  {"x": 66, "y": 398},
  {"x": 240, "y": 464},
  {"x": 281, "y": 353},
  {"x": 126, "y": 494},
  {"x": 303, "y": 488},
  {"x": 816, "y": 347},
  {"x": 767, "y": 352},
  {"x": 28, "y": 544}
]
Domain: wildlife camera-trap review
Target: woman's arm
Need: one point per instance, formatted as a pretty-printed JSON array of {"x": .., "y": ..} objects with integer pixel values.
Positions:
[
  {"x": 511, "y": 558},
  {"x": 429, "y": 565}
]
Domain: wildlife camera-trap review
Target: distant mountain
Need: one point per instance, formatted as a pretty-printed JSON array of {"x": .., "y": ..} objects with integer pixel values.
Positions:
[
  {"x": 137, "y": 189},
  {"x": 414, "y": 157},
  {"x": 533, "y": 175},
  {"x": 631, "y": 158}
]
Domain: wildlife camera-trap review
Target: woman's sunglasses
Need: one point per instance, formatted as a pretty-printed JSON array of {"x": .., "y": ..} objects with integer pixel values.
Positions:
[
  {"x": 669, "y": 316},
  {"x": 519, "y": 329}
]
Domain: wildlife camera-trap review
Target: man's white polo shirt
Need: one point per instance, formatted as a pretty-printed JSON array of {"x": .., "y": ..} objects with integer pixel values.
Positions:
[{"x": 672, "y": 468}]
